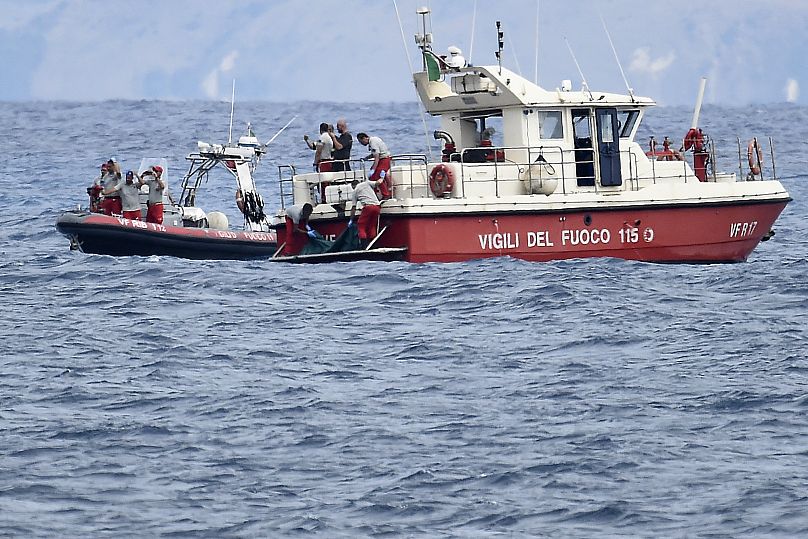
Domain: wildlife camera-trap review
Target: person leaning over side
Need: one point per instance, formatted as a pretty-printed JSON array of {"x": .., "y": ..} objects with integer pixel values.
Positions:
[
  {"x": 323, "y": 148},
  {"x": 129, "y": 193},
  {"x": 371, "y": 208},
  {"x": 153, "y": 177},
  {"x": 298, "y": 230},
  {"x": 342, "y": 147},
  {"x": 380, "y": 170}
]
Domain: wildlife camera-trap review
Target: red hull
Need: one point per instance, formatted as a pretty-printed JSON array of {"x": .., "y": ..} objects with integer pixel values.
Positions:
[
  {"x": 117, "y": 236},
  {"x": 717, "y": 233}
]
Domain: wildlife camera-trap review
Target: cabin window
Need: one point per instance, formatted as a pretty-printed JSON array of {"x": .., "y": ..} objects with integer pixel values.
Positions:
[
  {"x": 606, "y": 128},
  {"x": 550, "y": 125},
  {"x": 626, "y": 120}
]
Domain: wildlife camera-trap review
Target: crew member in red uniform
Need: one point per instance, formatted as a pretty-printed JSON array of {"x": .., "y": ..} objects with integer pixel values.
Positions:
[
  {"x": 111, "y": 205},
  {"x": 381, "y": 162},
  {"x": 153, "y": 177},
  {"x": 298, "y": 231},
  {"x": 129, "y": 193},
  {"x": 369, "y": 217}
]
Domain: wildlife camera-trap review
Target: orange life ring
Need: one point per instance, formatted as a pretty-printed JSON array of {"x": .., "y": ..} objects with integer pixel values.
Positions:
[
  {"x": 441, "y": 180},
  {"x": 753, "y": 151}
]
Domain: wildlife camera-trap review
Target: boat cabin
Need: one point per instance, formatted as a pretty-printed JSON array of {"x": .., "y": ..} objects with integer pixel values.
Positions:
[{"x": 579, "y": 140}]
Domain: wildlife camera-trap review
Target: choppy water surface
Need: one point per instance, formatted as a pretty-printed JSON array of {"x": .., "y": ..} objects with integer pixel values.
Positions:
[{"x": 158, "y": 396}]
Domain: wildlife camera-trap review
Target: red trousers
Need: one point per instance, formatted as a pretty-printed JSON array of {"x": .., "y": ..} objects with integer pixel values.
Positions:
[
  {"x": 111, "y": 205},
  {"x": 295, "y": 241},
  {"x": 134, "y": 215},
  {"x": 385, "y": 189},
  {"x": 368, "y": 222},
  {"x": 155, "y": 213}
]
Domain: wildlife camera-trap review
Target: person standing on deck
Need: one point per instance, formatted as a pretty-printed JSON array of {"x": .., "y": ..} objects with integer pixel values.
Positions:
[
  {"x": 342, "y": 146},
  {"x": 380, "y": 170},
  {"x": 112, "y": 203},
  {"x": 153, "y": 177},
  {"x": 298, "y": 230},
  {"x": 323, "y": 148},
  {"x": 94, "y": 191},
  {"x": 371, "y": 208},
  {"x": 129, "y": 193}
]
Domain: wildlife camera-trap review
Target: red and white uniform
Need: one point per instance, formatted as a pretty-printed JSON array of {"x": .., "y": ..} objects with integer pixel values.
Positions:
[
  {"x": 379, "y": 149},
  {"x": 155, "y": 203},
  {"x": 367, "y": 225},
  {"x": 296, "y": 233}
]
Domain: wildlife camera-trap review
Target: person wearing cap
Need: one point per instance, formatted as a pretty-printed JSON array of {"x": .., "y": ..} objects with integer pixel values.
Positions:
[
  {"x": 298, "y": 230},
  {"x": 371, "y": 207},
  {"x": 153, "y": 177},
  {"x": 129, "y": 193},
  {"x": 111, "y": 205},
  {"x": 381, "y": 163}
]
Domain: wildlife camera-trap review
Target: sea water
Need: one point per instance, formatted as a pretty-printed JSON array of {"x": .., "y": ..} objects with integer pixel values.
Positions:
[{"x": 495, "y": 398}]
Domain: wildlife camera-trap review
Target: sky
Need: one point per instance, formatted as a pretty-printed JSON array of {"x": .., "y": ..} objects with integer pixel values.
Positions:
[{"x": 751, "y": 51}]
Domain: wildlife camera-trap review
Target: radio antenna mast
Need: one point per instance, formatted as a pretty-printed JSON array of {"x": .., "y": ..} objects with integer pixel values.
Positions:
[
  {"x": 500, "y": 45},
  {"x": 614, "y": 51},
  {"x": 583, "y": 79},
  {"x": 427, "y": 38},
  {"x": 473, "y": 28},
  {"x": 536, "y": 70}
]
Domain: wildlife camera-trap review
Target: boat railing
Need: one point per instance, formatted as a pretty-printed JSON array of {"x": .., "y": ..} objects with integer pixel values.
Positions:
[
  {"x": 535, "y": 164},
  {"x": 317, "y": 181},
  {"x": 520, "y": 169},
  {"x": 744, "y": 166},
  {"x": 413, "y": 162}
]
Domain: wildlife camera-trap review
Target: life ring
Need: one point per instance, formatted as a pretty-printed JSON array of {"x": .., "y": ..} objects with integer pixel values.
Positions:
[
  {"x": 441, "y": 180},
  {"x": 753, "y": 151}
]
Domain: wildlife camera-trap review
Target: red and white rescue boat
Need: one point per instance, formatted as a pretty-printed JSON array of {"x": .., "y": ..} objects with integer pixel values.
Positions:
[{"x": 566, "y": 179}]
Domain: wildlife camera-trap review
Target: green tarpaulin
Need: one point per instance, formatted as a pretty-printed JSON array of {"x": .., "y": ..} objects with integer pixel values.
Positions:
[{"x": 347, "y": 241}]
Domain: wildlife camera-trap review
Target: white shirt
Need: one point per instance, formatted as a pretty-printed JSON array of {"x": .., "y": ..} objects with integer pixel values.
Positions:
[
  {"x": 365, "y": 194},
  {"x": 295, "y": 213},
  {"x": 325, "y": 146},
  {"x": 377, "y": 146}
]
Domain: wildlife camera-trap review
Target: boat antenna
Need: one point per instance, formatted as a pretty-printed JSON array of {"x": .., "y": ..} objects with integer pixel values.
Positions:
[
  {"x": 500, "y": 45},
  {"x": 580, "y": 72},
  {"x": 232, "y": 106},
  {"x": 536, "y": 67},
  {"x": 515, "y": 56},
  {"x": 427, "y": 38},
  {"x": 281, "y": 130},
  {"x": 473, "y": 29},
  {"x": 614, "y": 51}
]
